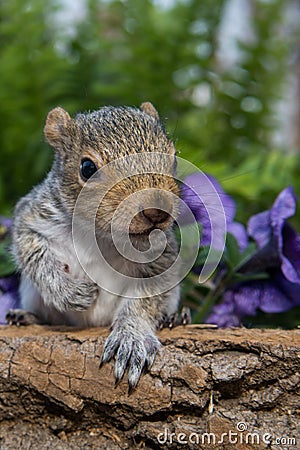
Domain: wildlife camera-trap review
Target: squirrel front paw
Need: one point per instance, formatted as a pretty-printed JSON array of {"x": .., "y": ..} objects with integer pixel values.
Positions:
[
  {"x": 76, "y": 295},
  {"x": 174, "y": 320},
  {"x": 135, "y": 349},
  {"x": 21, "y": 317}
]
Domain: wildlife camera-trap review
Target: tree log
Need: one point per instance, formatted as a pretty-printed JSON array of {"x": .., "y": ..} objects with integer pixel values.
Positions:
[{"x": 208, "y": 389}]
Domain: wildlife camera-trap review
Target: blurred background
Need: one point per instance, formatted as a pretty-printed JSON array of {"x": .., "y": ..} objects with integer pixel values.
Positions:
[{"x": 223, "y": 74}]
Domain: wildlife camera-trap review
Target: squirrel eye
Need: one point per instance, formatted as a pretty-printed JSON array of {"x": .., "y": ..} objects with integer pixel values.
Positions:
[{"x": 87, "y": 169}]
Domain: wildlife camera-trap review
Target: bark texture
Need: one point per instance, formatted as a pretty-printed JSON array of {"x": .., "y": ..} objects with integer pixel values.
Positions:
[{"x": 204, "y": 383}]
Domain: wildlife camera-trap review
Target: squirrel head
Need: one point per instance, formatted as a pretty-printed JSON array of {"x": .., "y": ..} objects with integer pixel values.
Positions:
[{"x": 122, "y": 152}]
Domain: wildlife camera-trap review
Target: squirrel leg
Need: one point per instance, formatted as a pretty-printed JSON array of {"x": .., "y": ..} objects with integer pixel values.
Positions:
[
  {"x": 56, "y": 286},
  {"x": 132, "y": 341}
]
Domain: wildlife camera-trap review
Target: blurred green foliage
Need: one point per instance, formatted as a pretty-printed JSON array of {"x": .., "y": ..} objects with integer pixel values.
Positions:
[{"x": 126, "y": 52}]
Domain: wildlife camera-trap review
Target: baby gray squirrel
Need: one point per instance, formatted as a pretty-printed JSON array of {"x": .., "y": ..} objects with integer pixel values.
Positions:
[{"x": 61, "y": 276}]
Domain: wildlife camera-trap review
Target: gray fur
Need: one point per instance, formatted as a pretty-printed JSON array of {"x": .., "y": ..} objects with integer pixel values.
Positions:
[{"x": 54, "y": 287}]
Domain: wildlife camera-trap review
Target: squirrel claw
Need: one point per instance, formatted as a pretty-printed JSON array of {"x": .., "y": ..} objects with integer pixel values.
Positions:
[
  {"x": 117, "y": 382},
  {"x": 133, "y": 350},
  {"x": 185, "y": 316},
  {"x": 174, "y": 320},
  {"x": 20, "y": 317},
  {"x": 131, "y": 389}
]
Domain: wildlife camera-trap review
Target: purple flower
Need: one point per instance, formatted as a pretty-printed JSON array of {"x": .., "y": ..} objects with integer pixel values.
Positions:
[
  {"x": 274, "y": 295},
  {"x": 211, "y": 207},
  {"x": 224, "y": 314},
  {"x": 9, "y": 296},
  {"x": 6, "y": 222},
  {"x": 278, "y": 255},
  {"x": 279, "y": 242}
]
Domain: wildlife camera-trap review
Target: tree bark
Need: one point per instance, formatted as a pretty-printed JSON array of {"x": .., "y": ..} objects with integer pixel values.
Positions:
[{"x": 208, "y": 389}]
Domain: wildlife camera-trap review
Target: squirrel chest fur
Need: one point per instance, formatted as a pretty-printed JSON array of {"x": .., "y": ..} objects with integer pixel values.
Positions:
[{"x": 94, "y": 242}]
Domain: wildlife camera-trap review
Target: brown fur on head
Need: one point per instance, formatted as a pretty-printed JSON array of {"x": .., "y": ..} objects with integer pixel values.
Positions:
[{"x": 114, "y": 134}]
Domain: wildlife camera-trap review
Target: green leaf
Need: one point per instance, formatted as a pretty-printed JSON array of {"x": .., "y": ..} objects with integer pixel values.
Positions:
[
  {"x": 202, "y": 256},
  {"x": 247, "y": 254},
  {"x": 7, "y": 266},
  {"x": 188, "y": 237},
  {"x": 239, "y": 277},
  {"x": 232, "y": 252}
]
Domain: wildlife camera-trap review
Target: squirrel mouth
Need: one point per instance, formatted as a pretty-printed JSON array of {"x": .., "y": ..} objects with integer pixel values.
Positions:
[{"x": 142, "y": 233}]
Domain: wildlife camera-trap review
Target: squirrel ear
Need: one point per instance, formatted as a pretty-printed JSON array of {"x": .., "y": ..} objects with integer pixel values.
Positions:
[
  {"x": 148, "y": 108},
  {"x": 57, "y": 128}
]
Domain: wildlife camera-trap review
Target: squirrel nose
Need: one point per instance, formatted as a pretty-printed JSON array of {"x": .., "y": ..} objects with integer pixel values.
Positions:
[{"x": 155, "y": 215}]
